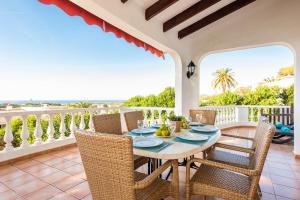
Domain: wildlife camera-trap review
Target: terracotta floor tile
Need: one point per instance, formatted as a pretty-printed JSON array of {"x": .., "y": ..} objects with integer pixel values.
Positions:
[
  {"x": 63, "y": 196},
  {"x": 266, "y": 185},
  {"x": 286, "y": 192},
  {"x": 267, "y": 196},
  {"x": 44, "y": 172},
  {"x": 57, "y": 176},
  {"x": 282, "y": 198},
  {"x": 283, "y": 173},
  {"x": 64, "y": 164},
  {"x": 21, "y": 180},
  {"x": 75, "y": 169},
  {"x": 30, "y": 187},
  {"x": 6, "y": 169},
  {"x": 53, "y": 161},
  {"x": 290, "y": 182},
  {"x": 25, "y": 163},
  {"x": 43, "y": 194},
  {"x": 35, "y": 168},
  {"x": 67, "y": 183},
  {"x": 3, "y": 188},
  {"x": 79, "y": 191},
  {"x": 12, "y": 175},
  {"x": 9, "y": 195},
  {"x": 71, "y": 156},
  {"x": 43, "y": 157},
  {"x": 88, "y": 197},
  {"x": 278, "y": 165}
]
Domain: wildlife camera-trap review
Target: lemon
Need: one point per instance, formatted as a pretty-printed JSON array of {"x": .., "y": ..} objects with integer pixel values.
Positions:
[
  {"x": 165, "y": 133},
  {"x": 158, "y": 132}
]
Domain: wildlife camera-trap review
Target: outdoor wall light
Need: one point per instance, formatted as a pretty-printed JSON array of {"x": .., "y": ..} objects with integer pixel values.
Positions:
[{"x": 191, "y": 69}]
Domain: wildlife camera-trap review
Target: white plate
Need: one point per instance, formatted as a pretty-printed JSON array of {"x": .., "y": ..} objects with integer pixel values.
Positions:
[
  {"x": 143, "y": 131},
  {"x": 146, "y": 142},
  {"x": 205, "y": 129},
  {"x": 196, "y": 124},
  {"x": 193, "y": 137}
]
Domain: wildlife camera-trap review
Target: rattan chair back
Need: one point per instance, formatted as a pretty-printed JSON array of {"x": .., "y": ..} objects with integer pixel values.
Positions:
[
  {"x": 108, "y": 163},
  {"x": 265, "y": 131},
  {"x": 131, "y": 119},
  {"x": 108, "y": 123},
  {"x": 208, "y": 116}
]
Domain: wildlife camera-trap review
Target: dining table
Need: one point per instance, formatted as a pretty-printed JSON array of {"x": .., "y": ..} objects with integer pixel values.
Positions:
[{"x": 178, "y": 148}]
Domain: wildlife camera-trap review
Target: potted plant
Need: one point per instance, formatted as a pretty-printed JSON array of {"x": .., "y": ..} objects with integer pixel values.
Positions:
[{"x": 177, "y": 121}]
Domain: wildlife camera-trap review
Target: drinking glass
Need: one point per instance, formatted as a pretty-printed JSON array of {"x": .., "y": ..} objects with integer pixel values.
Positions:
[
  {"x": 172, "y": 127},
  {"x": 140, "y": 125}
]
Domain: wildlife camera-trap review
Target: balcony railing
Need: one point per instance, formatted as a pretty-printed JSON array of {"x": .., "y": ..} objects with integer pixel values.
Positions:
[{"x": 61, "y": 124}]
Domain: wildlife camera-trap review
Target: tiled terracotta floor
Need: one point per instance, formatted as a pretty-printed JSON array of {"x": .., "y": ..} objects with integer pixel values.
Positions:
[{"x": 60, "y": 175}]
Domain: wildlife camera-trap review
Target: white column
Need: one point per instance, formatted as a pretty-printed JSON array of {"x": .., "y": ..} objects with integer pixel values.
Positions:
[
  {"x": 8, "y": 137},
  {"x": 24, "y": 132},
  {"x": 241, "y": 114},
  {"x": 186, "y": 89},
  {"x": 91, "y": 124},
  {"x": 297, "y": 105}
]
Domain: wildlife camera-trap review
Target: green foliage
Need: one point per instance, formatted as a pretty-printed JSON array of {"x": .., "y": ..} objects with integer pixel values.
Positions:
[
  {"x": 163, "y": 99},
  {"x": 262, "y": 95},
  {"x": 174, "y": 117},
  {"x": 286, "y": 71}
]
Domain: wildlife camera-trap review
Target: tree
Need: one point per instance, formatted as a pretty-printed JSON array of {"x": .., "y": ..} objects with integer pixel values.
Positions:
[{"x": 224, "y": 79}]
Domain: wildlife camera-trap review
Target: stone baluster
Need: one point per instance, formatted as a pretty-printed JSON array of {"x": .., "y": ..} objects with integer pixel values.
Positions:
[
  {"x": 38, "y": 132},
  {"x": 8, "y": 137},
  {"x": 73, "y": 124},
  {"x": 152, "y": 116},
  {"x": 252, "y": 114},
  {"x": 145, "y": 116},
  {"x": 159, "y": 116},
  {"x": 24, "y": 133},
  {"x": 82, "y": 125},
  {"x": 91, "y": 124},
  {"x": 50, "y": 129},
  {"x": 62, "y": 128}
]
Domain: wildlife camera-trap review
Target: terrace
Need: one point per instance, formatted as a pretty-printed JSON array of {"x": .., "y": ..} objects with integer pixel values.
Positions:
[{"x": 50, "y": 165}]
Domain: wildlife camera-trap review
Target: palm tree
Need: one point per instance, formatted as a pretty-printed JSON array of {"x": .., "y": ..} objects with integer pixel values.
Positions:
[{"x": 224, "y": 79}]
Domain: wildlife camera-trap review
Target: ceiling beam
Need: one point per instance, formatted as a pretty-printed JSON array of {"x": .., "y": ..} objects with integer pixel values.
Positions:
[
  {"x": 124, "y": 1},
  {"x": 188, "y": 13},
  {"x": 158, "y": 7},
  {"x": 226, "y": 10}
]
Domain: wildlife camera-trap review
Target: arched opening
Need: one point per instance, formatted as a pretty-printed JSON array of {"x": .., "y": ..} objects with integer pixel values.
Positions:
[{"x": 234, "y": 77}]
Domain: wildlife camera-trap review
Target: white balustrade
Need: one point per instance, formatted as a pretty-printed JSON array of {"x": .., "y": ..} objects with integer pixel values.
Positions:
[{"x": 226, "y": 115}]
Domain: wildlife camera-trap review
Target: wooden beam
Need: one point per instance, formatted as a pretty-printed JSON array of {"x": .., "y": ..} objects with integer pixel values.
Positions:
[
  {"x": 188, "y": 13},
  {"x": 226, "y": 10},
  {"x": 124, "y": 1},
  {"x": 158, "y": 7}
]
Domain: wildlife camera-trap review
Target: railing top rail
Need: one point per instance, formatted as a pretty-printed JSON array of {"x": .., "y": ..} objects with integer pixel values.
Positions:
[{"x": 74, "y": 110}]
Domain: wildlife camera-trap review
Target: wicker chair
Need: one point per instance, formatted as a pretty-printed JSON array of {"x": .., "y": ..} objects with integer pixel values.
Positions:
[
  {"x": 111, "y": 124},
  {"x": 208, "y": 116},
  {"x": 131, "y": 119},
  {"x": 228, "y": 181},
  {"x": 234, "y": 157},
  {"x": 108, "y": 163}
]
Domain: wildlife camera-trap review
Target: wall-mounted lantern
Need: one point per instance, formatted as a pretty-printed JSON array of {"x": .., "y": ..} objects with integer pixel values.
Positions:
[{"x": 191, "y": 69}]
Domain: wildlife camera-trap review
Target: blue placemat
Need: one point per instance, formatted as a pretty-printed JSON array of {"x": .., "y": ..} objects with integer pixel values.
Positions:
[
  {"x": 137, "y": 134},
  {"x": 157, "y": 148}
]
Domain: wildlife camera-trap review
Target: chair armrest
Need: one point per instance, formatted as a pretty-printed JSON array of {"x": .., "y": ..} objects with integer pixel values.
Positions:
[
  {"x": 152, "y": 177},
  {"x": 235, "y": 148},
  {"x": 240, "y": 170},
  {"x": 238, "y": 137}
]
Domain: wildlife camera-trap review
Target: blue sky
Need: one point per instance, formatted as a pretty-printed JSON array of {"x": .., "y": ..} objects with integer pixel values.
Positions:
[{"x": 45, "y": 54}]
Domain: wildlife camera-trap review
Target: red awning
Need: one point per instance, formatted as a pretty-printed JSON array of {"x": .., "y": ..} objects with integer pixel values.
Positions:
[{"x": 74, "y": 10}]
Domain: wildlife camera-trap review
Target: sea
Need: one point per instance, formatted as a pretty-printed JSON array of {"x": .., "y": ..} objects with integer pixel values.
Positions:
[{"x": 62, "y": 102}]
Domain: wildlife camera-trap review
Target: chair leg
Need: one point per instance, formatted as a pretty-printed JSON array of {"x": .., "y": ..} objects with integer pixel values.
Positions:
[
  {"x": 170, "y": 172},
  {"x": 259, "y": 191}
]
